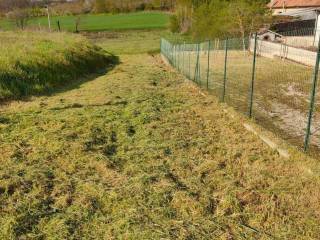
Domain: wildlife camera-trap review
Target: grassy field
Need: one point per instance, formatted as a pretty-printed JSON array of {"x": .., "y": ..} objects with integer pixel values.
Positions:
[
  {"x": 129, "y": 42},
  {"x": 38, "y": 62},
  {"x": 141, "y": 153},
  {"x": 99, "y": 22}
]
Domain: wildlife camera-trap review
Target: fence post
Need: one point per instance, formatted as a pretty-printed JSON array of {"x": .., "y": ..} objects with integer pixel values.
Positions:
[
  {"x": 171, "y": 53},
  {"x": 178, "y": 57},
  {"x": 166, "y": 50},
  {"x": 197, "y": 63},
  {"x": 183, "y": 58},
  {"x": 175, "y": 55},
  {"x": 312, "y": 99},
  {"x": 253, "y": 73},
  {"x": 59, "y": 27},
  {"x": 225, "y": 70},
  {"x": 189, "y": 54},
  {"x": 208, "y": 66}
]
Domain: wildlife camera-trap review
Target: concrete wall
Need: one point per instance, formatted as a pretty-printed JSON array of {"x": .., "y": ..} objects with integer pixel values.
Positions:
[
  {"x": 300, "y": 41},
  {"x": 317, "y": 30},
  {"x": 273, "y": 50}
]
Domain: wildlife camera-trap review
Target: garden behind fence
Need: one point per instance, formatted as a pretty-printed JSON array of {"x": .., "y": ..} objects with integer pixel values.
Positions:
[{"x": 273, "y": 83}]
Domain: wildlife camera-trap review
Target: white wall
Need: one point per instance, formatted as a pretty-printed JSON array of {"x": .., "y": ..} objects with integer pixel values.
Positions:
[
  {"x": 272, "y": 50},
  {"x": 300, "y": 41},
  {"x": 317, "y": 35}
]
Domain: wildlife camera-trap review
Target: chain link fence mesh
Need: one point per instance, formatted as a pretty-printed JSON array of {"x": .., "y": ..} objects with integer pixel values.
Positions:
[{"x": 274, "y": 83}]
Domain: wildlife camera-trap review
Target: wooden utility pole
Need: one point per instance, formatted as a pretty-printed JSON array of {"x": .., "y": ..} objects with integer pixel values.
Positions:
[{"x": 49, "y": 21}]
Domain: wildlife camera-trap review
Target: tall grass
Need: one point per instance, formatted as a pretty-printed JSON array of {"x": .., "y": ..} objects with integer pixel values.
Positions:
[{"x": 37, "y": 62}]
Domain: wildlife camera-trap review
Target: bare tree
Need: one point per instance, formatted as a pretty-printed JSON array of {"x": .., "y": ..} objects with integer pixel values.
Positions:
[
  {"x": 77, "y": 22},
  {"x": 10, "y": 5},
  {"x": 20, "y": 17}
]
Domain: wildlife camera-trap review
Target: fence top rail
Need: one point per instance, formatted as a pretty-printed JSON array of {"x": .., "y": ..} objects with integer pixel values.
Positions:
[{"x": 172, "y": 42}]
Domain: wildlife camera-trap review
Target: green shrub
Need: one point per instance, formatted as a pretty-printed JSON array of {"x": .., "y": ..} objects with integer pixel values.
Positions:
[
  {"x": 174, "y": 24},
  {"x": 37, "y": 62}
]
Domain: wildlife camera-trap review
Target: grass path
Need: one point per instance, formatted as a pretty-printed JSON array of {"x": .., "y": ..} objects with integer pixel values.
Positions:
[{"x": 140, "y": 154}]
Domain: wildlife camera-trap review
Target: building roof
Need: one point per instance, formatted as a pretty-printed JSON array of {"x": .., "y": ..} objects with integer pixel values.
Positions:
[
  {"x": 302, "y": 14},
  {"x": 293, "y": 3}
]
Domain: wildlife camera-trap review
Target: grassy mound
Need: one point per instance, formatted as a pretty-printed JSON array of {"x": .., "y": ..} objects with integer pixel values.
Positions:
[{"x": 37, "y": 62}]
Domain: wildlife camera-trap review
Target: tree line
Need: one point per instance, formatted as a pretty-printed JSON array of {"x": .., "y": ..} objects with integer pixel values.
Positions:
[
  {"x": 201, "y": 18},
  {"x": 86, "y": 6},
  {"x": 20, "y": 11},
  {"x": 101, "y": 6},
  {"x": 219, "y": 18}
]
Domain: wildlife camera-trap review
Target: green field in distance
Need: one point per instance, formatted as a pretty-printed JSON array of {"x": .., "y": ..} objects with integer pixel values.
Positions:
[{"x": 99, "y": 22}]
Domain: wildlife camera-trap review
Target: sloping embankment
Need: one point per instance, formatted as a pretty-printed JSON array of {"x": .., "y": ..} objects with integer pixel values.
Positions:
[{"x": 38, "y": 62}]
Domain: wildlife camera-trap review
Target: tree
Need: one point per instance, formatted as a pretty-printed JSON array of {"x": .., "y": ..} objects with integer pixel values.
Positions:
[
  {"x": 248, "y": 16},
  {"x": 16, "y": 11},
  {"x": 221, "y": 18},
  {"x": 78, "y": 20},
  {"x": 100, "y": 6},
  {"x": 211, "y": 20},
  {"x": 10, "y": 5},
  {"x": 20, "y": 17},
  {"x": 174, "y": 24}
]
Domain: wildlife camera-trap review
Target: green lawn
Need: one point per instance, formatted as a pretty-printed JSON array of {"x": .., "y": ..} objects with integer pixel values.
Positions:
[{"x": 100, "y": 22}]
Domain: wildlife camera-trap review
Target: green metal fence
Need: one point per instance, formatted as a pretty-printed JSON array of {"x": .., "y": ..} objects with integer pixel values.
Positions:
[{"x": 273, "y": 83}]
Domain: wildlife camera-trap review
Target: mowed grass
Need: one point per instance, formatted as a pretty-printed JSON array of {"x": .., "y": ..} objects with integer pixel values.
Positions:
[
  {"x": 39, "y": 62},
  {"x": 99, "y": 22},
  {"x": 129, "y": 42},
  {"x": 140, "y": 153}
]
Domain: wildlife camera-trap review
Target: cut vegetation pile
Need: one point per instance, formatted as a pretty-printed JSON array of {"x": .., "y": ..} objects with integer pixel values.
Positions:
[{"x": 37, "y": 62}]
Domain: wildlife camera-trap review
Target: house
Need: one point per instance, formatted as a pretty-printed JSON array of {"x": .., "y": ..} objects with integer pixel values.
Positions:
[
  {"x": 303, "y": 12},
  {"x": 298, "y": 8},
  {"x": 305, "y": 18}
]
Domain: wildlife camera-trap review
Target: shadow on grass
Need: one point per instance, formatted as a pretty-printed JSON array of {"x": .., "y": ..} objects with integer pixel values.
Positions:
[
  {"x": 75, "y": 84},
  {"x": 111, "y": 62}
]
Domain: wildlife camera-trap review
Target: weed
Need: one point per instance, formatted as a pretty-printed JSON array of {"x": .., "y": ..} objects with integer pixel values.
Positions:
[
  {"x": 131, "y": 131},
  {"x": 110, "y": 150},
  {"x": 4, "y": 120}
]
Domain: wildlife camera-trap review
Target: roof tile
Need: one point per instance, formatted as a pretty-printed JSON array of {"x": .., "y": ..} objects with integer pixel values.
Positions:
[{"x": 294, "y": 3}]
